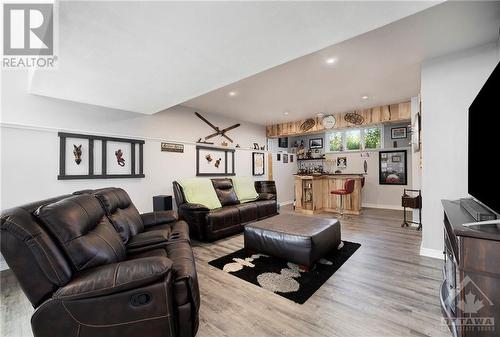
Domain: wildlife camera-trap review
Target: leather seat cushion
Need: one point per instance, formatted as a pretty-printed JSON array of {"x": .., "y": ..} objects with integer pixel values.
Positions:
[
  {"x": 248, "y": 212},
  {"x": 121, "y": 211},
  {"x": 223, "y": 218},
  {"x": 266, "y": 208},
  {"x": 83, "y": 230}
]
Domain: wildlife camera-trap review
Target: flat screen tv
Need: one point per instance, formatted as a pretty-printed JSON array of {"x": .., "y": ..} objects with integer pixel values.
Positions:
[{"x": 484, "y": 142}]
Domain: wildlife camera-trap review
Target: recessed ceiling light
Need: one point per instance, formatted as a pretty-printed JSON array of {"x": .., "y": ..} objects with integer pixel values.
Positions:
[
  {"x": 331, "y": 60},
  {"x": 232, "y": 93},
  {"x": 364, "y": 97},
  {"x": 285, "y": 113}
]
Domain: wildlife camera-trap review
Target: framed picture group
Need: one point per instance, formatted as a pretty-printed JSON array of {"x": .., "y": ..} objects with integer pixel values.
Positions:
[
  {"x": 393, "y": 168},
  {"x": 98, "y": 157}
]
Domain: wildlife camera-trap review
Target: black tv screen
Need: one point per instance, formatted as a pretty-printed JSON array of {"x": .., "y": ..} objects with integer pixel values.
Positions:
[{"x": 484, "y": 140}]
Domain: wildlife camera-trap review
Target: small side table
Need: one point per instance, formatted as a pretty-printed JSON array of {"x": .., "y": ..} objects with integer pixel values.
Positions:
[
  {"x": 412, "y": 201},
  {"x": 162, "y": 203}
]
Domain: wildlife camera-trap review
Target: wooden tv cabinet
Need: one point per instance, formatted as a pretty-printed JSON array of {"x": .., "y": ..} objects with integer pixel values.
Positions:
[{"x": 470, "y": 292}]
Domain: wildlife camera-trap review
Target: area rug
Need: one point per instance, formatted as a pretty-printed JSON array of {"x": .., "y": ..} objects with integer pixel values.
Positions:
[{"x": 282, "y": 277}]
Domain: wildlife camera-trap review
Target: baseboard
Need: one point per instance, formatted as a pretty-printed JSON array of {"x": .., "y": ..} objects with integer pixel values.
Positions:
[
  {"x": 394, "y": 207},
  {"x": 284, "y": 203},
  {"x": 434, "y": 253}
]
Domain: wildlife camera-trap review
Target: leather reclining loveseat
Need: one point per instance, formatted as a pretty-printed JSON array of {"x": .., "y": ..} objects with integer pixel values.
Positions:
[
  {"x": 210, "y": 225},
  {"x": 91, "y": 266}
]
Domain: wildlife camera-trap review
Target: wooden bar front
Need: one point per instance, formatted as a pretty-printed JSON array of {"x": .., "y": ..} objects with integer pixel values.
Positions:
[{"x": 313, "y": 193}]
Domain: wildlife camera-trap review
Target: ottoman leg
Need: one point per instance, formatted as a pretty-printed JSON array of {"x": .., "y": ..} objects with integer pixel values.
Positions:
[
  {"x": 303, "y": 268},
  {"x": 340, "y": 245}
]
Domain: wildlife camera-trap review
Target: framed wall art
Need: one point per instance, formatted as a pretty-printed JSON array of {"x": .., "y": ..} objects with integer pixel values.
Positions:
[
  {"x": 399, "y": 133},
  {"x": 285, "y": 158},
  {"x": 98, "y": 157},
  {"x": 393, "y": 168},
  {"x": 258, "y": 163},
  {"x": 213, "y": 161},
  {"x": 316, "y": 143}
]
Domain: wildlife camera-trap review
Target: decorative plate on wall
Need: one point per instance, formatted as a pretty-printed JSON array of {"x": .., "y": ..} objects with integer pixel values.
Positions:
[
  {"x": 329, "y": 122},
  {"x": 307, "y": 125},
  {"x": 354, "y": 118}
]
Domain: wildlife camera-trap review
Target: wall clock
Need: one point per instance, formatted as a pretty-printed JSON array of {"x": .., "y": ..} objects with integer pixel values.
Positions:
[
  {"x": 415, "y": 133},
  {"x": 329, "y": 121}
]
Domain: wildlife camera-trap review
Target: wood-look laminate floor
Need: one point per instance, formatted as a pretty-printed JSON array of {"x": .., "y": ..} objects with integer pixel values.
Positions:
[{"x": 385, "y": 289}]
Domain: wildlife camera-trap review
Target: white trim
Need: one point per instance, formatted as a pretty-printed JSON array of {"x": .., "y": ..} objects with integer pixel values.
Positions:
[
  {"x": 434, "y": 253},
  {"x": 393, "y": 207},
  {"x": 56, "y": 130},
  {"x": 284, "y": 203}
]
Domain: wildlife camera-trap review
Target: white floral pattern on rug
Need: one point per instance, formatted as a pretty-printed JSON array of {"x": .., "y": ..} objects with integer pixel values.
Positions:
[
  {"x": 238, "y": 263},
  {"x": 284, "y": 282}
]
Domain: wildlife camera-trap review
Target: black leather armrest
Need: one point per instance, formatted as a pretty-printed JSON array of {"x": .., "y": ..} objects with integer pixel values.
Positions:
[
  {"x": 159, "y": 218},
  {"x": 147, "y": 241},
  {"x": 193, "y": 207},
  {"x": 267, "y": 196},
  {"x": 115, "y": 277}
]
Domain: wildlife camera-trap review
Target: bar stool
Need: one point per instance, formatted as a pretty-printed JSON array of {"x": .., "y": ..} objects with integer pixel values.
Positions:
[{"x": 348, "y": 189}]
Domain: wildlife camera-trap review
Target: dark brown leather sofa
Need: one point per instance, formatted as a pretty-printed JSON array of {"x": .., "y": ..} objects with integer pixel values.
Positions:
[
  {"x": 82, "y": 279},
  {"x": 210, "y": 225}
]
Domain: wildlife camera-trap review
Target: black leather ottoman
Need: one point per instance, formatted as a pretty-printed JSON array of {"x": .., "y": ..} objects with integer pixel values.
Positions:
[{"x": 295, "y": 238}]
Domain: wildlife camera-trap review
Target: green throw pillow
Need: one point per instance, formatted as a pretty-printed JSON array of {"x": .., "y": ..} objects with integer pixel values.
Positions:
[
  {"x": 245, "y": 189},
  {"x": 200, "y": 191}
]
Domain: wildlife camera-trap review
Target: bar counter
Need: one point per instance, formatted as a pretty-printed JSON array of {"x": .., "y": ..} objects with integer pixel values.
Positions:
[{"x": 313, "y": 193}]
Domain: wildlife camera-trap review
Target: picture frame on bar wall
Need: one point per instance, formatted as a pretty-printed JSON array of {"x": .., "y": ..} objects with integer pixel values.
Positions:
[{"x": 399, "y": 132}]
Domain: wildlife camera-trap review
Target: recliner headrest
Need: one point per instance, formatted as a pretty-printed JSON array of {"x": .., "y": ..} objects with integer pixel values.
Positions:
[{"x": 113, "y": 198}]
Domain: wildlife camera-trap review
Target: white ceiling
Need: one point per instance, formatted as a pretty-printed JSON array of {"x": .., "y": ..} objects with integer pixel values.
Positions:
[
  {"x": 149, "y": 56},
  {"x": 383, "y": 64}
]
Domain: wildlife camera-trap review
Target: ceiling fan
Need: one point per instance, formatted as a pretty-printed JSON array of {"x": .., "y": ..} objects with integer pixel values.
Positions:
[{"x": 218, "y": 132}]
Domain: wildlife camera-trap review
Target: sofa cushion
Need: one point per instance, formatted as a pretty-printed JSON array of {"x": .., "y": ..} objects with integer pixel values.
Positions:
[
  {"x": 245, "y": 189},
  {"x": 266, "y": 208},
  {"x": 83, "y": 230},
  {"x": 248, "y": 212},
  {"x": 121, "y": 211},
  {"x": 222, "y": 218},
  {"x": 200, "y": 191},
  {"x": 225, "y": 191}
]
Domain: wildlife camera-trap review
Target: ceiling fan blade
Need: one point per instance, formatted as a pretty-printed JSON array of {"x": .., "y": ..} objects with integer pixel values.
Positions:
[
  {"x": 223, "y": 135},
  {"x": 212, "y": 135},
  {"x": 230, "y": 128},
  {"x": 206, "y": 121}
]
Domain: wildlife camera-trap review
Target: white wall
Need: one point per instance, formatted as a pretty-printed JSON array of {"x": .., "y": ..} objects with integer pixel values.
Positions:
[
  {"x": 416, "y": 171},
  {"x": 30, "y": 146},
  {"x": 449, "y": 84}
]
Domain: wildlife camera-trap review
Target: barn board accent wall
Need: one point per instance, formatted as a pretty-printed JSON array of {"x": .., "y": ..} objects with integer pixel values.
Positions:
[{"x": 381, "y": 114}]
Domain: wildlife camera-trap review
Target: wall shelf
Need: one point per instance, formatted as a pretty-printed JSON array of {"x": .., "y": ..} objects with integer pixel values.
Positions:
[{"x": 307, "y": 159}]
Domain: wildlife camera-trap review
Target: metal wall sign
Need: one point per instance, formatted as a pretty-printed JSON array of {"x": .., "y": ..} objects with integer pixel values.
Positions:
[{"x": 172, "y": 147}]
